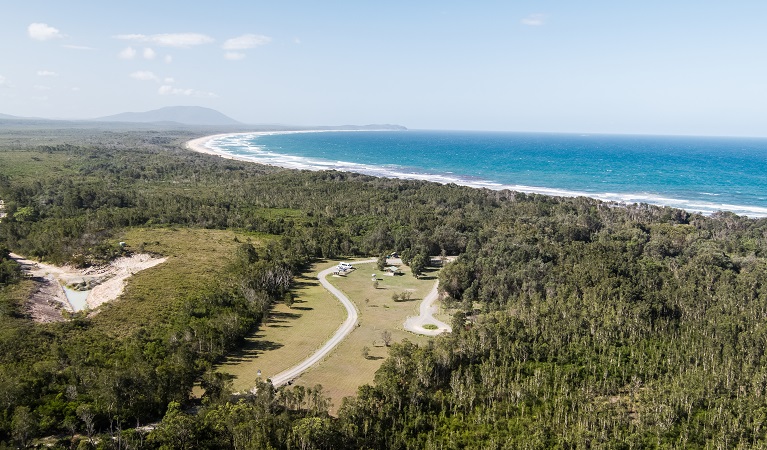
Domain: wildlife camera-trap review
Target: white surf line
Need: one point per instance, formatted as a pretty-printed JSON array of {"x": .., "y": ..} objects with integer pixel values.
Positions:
[
  {"x": 346, "y": 327},
  {"x": 427, "y": 309}
]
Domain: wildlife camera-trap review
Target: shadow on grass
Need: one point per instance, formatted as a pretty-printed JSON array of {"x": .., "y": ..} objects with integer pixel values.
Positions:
[
  {"x": 302, "y": 308},
  {"x": 281, "y": 317},
  {"x": 374, "y": 358},
  {"x": 251, "y": 348},
  {"x": 302, "y": 283}
]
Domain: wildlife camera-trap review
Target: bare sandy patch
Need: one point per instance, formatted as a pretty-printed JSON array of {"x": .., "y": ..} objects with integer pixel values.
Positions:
[
  {"x": 47, "y": 301},
  {"x": 107, "y": 283},
  {"x": 120, "y": 270}
]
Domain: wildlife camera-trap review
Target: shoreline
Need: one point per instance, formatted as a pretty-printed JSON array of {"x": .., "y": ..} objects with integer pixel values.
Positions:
[{"x": 693, "y": 206}]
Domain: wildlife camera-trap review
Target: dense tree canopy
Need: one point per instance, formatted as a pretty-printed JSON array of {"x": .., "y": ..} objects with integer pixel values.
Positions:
[{"x": 580, "y": 323}]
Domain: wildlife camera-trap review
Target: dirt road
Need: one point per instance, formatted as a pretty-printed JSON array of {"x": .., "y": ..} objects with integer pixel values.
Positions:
[
  {"x": 347, "y": 327},
  {"x": 427, "y": 310}
]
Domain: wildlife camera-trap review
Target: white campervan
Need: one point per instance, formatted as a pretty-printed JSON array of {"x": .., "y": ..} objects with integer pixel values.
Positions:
[{"x": 345, "y": 266}]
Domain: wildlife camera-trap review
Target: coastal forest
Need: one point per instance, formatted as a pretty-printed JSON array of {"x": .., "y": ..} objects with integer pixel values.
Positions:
[{"x": 579, "y": 324}]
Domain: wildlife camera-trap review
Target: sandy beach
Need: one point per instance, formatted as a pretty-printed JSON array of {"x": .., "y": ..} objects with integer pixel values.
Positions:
[{"x": 200, "y": 144}]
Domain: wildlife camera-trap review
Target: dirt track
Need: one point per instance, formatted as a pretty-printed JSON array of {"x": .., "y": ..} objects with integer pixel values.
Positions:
[{"x": 346, "y": 327}]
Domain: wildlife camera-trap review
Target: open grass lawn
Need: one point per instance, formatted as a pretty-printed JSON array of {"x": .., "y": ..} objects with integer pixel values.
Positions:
[
  {"x": 196, "y": 259},
  {"x": 289, "y": 335},
  {"x": 346, "y": 369}
]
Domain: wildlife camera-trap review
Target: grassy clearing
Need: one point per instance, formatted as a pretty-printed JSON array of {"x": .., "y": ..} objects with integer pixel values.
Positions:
[
  {"x": 345, "y": 369},
  {"x": 197, "y": 258},
  {"x": 289, "y": 335},
  {"x": 23, "y": 166}
]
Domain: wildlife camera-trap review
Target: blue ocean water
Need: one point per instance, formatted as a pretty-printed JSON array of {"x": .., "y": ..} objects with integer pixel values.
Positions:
[{"x": 699, "y": 174}]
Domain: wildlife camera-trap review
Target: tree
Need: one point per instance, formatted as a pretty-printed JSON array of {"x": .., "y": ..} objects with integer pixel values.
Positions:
[
  {"x": 386, "y": 337},
  {"x": 313, "y": 433},
  {"x": 289, "y": 299},
  {"x": 24, "y": 425},
  {"x": 217, "y": 386},
  {"x": 418, "y": 264},
  {"x": 177, "y": 430},
  {"x": 86, "y": 414},
  {"x": 381, "y": 262},
  {"x": 366, "y": 352}
]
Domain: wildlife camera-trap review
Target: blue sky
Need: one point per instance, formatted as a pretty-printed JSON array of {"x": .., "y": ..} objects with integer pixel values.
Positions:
[{"x": 682, "y": 67}]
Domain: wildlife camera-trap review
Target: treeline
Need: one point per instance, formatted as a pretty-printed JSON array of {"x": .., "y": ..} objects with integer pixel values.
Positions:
[
  {"x": 64, "y": 216},
  {"x": 581, "y": 324},
  {"x": 68, "y": 377},
  {"x": 628, "y": 328},
  {"x": 9, "y": 271}
]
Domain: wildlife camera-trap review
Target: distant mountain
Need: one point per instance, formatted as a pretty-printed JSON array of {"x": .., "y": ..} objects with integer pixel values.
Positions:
[
  {"x": 10, "y": 117},
  {"x": 188, "y": 115},
  {"x": 372, "y": 127}
]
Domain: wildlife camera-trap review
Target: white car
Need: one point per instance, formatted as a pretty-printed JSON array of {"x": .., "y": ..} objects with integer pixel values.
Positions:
[{"x": 345, "y": 266}]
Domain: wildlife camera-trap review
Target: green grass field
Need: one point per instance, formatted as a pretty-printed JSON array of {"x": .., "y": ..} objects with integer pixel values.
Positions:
[
  {"x": 196, "y": 259},
  {"x": 22, "y": 166},
  {"x": 291, "y": 335},
  {"x": 288, "y": 335},
  {"x": 346, "y": 369}
]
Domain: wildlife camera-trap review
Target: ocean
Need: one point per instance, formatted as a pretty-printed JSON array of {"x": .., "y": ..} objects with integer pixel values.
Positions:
[{"x": 698, "y": 174}]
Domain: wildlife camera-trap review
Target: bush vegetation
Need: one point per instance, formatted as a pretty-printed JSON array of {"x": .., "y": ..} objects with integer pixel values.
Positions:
[{"x": 580, "y": 324}]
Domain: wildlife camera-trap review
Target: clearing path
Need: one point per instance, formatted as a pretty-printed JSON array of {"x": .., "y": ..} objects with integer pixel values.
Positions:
[
  {"x": 104, "y": 283},
  {"x": 426, "y": 317},
  {"x": 347, "y": 327}
]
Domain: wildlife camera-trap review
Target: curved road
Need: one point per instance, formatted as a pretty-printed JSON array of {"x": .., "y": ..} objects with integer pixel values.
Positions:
[
  {"x": 427, "y": 310},
  {"x": 347, "y": 327}
]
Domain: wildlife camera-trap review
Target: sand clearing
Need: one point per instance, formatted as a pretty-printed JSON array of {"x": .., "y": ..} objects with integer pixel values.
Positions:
[
  {"x": 122, "y": 269},
  {"x": 49, "y": 298}
]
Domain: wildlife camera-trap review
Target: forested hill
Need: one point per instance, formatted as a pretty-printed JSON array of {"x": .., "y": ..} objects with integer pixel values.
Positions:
[{"x": 581, "y": 324}]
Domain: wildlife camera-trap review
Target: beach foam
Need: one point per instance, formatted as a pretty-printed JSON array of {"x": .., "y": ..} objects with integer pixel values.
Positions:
[{"x": 241, "y": 146}]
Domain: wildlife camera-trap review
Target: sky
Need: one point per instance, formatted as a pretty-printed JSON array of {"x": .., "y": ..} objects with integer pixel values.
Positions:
[{"x": 652, "y": 67}]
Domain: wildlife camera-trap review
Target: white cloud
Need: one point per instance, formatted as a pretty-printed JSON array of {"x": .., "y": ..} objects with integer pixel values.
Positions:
[
  {"x": 170, "y": 90},
  {"x": 246, "y": 41},
  {"x": 75, "y": 89},
  {"x": 168, "y": 59},
  {"x": 144, "y": 75},
  {"x": 297, "y": 41},
  {"x": 40, "y": 87},
  {"x": 534, "y": 20},
  {"x": 77, "y": 47},
  {"x": 149, "y": 53},
  {"x": 183, "y": 40},
  {"x": 46, "y": 73},
  {"x": 4, "y": 83},
  {"x": 127, "y": 53},
  {"x": 168, "y": 80},
  {"x": 43, "y": 32},
  {"x": 234, "y": 56}
]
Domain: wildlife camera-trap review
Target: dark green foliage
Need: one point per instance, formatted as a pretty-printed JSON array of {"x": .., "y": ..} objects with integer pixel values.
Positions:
[
  {"x": 9, "y": 270},
  {"x": 580, "y": 324},
  {"x": 648, "y": 333}
]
